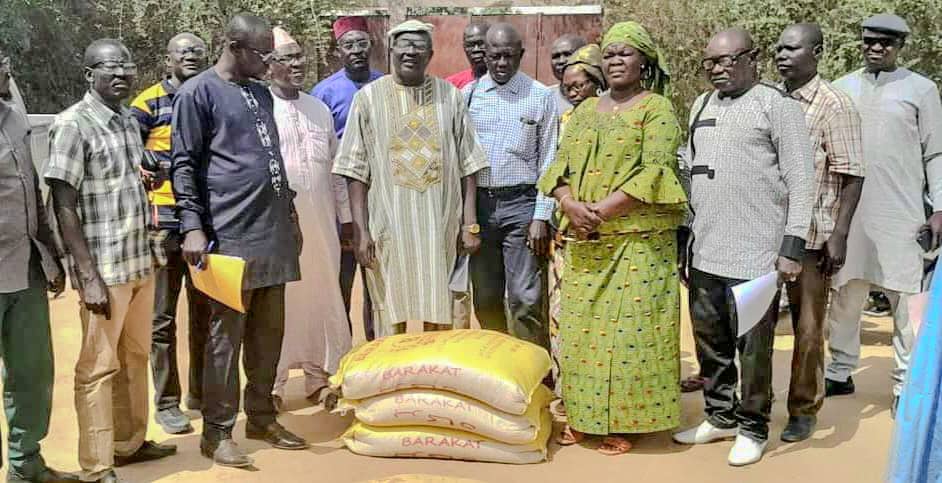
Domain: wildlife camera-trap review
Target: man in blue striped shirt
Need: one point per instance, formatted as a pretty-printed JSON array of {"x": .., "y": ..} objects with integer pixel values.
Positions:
[{"x": 516, "y": 121}]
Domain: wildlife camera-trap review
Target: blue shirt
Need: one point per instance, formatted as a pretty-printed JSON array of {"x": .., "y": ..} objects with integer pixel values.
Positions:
[
  {"x": 337, "y": 92},
  {"x": 517, "y": 125}
]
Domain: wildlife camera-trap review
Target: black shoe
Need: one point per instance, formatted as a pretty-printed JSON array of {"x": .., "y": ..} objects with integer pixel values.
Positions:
[
  {"x": 838, "y": 388},
  {"x": 148, "y": 451},
  {"x": 110, "y": 477},
  {"x": 894, "y": 407},
  {"x": 225, "y": 453},
  {"x": 877, "y": 305},
  {"x": 193, "y": 403},
  {"x": 173, "y": 421},
  {"x": 48, "y": 475},
  {"x": 799, "y": 428},
  {"x": 275, "y": 435}
]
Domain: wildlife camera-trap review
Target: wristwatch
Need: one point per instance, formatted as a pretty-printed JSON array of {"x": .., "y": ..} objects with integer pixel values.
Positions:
[{"x": 473, "y": 228}]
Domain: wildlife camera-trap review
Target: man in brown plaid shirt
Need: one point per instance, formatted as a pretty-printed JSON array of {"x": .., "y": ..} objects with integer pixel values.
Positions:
[{"x": 834, "y": 125}]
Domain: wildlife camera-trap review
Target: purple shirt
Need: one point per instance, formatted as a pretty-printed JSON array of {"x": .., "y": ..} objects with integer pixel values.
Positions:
[{"x": 337, "y": 92}]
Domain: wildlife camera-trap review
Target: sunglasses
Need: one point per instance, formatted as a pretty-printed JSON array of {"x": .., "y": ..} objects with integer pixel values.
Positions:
[{"x": 115, "y": 67}]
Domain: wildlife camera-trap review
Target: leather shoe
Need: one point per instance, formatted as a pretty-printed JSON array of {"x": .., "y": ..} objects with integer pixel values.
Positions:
[
  {"x": 799, "y": 428},
  {"x": 225, "y": 453},
  {"x": 275, "y": 435},
  {"x": 48, "y": 475},
  {"x": 148, "y": 451},
  {"x": 838, "y": 388}
]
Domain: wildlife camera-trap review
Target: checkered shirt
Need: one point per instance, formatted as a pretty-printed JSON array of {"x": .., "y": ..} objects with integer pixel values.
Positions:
[
  {"x": 834, "y": 125},
  {"x": 98, "y": 152},
  {"x": 517, "y": 124}
]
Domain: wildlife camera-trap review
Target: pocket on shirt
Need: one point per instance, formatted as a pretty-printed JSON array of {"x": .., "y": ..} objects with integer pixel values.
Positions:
[{"x": 524, "y": 137}]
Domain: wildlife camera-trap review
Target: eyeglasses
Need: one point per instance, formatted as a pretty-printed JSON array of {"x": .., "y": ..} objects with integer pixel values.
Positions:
[
  {"x": 405, "y": 44},
  {"x": 885, "y": 42},
  {"x": 290, "y": 59},
  {"x": 361, "y": 44},
  {"x": 196, "y": 51},
  {"x": 724, "y": 61},
  {"x": 581, "y": 86},
  {"x": 113, "y": 67}
]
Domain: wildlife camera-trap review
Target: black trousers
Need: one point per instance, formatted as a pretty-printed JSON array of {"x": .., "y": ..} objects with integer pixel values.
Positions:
[
  {"x": 163, "y": 353},
  {"x": 348, "y": 270},
  {"x": 260, "y": 331},
  {"x": 509, "y": 282},
  {"x": 715, "y": 330}
]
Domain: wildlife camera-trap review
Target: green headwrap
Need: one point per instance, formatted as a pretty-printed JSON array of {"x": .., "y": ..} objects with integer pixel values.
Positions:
[
  {"x": 589, "y": 59},
  {"x": 633, "y": 34}
]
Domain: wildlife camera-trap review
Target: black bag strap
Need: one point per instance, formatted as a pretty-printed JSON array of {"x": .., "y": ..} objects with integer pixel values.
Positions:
[{"x": 693, "y": 126}]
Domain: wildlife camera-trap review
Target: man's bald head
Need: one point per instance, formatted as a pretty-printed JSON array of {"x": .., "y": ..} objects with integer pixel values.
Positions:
[
  {"x": 731, "y": 56},
  {"x": 504, "y": 51},
  {"x": 504, "y": 34},
  {"x": 730, "y": 41},
  {"x": 477, "y": 28},
  {"x": 246, "y": 27},
  {"x": 186, "y": 57},
  {"x": 809, "y": 34},
  {"x": 475, "y": 46},
  {"x": 250, "y": 45},
  {"x": 562, "y": 49},
  {"x": 797, "y": 52},
  {"x": 184, "y": 39},
  {"x": 574, "y": 41},
  {"x": 106, "y": 49}
]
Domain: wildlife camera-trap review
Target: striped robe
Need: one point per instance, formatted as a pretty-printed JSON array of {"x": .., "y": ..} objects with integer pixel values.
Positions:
[{"x": 412, "y": 146}]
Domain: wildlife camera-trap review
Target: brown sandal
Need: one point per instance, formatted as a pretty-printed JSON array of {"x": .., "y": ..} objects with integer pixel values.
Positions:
[
  {"x": 569, "y": 437},
  {"x": 614, "y": 446}
]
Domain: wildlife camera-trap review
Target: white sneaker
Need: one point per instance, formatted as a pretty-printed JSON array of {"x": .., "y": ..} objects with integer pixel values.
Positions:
[
  {"x": 746, "y": 451},
  {"x": 704, "y": 433}
]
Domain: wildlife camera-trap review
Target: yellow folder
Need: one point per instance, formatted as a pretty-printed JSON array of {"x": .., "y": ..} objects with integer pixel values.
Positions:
[{"x": 221, "y": 279}]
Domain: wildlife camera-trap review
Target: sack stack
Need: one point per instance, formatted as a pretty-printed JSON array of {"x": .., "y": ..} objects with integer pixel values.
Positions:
[{"x": 461, "y": 394}]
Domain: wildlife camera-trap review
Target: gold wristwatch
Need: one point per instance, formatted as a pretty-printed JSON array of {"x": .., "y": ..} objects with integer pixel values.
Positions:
[{"x": 473, "y": 228}]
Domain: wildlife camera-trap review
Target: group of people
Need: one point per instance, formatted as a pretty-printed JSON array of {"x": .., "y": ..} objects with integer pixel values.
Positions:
[{"x": 576, "y": 211}]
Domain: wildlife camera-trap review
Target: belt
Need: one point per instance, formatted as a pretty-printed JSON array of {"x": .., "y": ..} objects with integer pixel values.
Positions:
[{"x": 501, "y": 191}]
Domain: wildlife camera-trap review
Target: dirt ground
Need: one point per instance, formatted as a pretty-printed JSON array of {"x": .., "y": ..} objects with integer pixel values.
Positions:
[{"x": 850, "y": 445}]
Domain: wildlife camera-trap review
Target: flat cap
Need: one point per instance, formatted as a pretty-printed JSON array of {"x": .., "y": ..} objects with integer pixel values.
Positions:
[
  {"x": 410, "y": 26},
  {"x": 886, "y": 22}
]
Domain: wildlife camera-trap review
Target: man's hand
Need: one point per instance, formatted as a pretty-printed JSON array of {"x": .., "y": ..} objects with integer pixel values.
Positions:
[
  {"x": 470, "y": 243},
  {"x": 346, "y": 236},
  {"x": 788, "y": 269},
  {"x": 364, "y": 248},
  {"x": 538, "y": 239},
  {"x": 57, "y": 285},
  {"x": 833, "y": 254},
  {"x": 935, "y": 224},
  {"x": 94, "y": 295},
  {"x": 581, "y": 217},
  {"x": 151, "y": 179},
  {"x": 194, "y": 247}
]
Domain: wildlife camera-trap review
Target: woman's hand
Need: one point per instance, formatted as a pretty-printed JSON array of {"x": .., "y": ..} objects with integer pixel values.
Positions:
[{"x": 582, "y": 219}]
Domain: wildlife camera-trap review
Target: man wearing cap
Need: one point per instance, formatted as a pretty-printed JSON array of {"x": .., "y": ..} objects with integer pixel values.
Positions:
[
  {"x": 233, "y": 198},
  {"x": 474, "y": 36},
  {"x": 337, "y": 91},
  {"x": 901, "y": 119},
  {"x": 517, "y": 123},
  {"x": 316, "y": 330},
  {"x": 410, "y": 156}
]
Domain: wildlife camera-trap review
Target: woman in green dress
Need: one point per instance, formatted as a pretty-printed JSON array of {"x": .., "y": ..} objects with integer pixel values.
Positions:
[{"x": 615, "y": 178}]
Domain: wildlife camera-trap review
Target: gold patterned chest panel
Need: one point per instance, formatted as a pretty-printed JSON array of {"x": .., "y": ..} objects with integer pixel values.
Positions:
[{"x": 415, "y": 151}]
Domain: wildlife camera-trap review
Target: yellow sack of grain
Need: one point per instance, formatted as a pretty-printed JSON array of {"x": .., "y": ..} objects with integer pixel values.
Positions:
[
  {"x": 426, "y": 442},
  {"x": 440, "y": 409},
  {"x": 494, "y": 368}
]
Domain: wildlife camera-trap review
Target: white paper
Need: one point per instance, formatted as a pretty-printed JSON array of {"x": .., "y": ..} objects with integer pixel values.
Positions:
[
  {"x": 753, "y": 299},
  {"x": 459, "y": 277}
]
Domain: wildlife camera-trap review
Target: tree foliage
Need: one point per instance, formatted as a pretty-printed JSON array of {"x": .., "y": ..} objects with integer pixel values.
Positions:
[{"x": 683, "y": 28}]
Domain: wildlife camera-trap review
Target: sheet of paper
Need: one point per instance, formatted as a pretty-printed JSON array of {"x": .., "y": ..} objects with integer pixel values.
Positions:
[
  {"x": 916, "y": 304},
  {"x": 753, "y": 299},
  {"x": 221, "y": 279},
  {"x": 459, "y": 278}
]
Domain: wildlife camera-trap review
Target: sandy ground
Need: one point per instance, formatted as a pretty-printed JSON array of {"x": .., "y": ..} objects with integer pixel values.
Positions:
[{"x": 850, "y": 445}]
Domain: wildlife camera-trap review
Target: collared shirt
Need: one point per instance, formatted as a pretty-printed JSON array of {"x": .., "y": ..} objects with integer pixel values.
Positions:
[
  {"x": 751, "y": 182},
  {"x": 461, "y": 79},
  {"x": 901, "y": 117},
  {"x": 23, "y": 224},
  {"x": 834, "y": 126},
  {"x": 98, "y": 152},
  {"x": 229, "y": 178},
  {"x": 517, "y": 124},
  {"x": 153, "y": 109},
  {"x": 337, "y": 92}
]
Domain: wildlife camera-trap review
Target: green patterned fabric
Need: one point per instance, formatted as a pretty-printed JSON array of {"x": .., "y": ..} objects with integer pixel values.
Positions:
[{"x": 619, "y": 333}]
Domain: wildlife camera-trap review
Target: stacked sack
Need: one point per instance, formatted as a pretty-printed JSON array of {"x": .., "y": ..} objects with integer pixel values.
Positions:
[{"x": 460, "y": 394}]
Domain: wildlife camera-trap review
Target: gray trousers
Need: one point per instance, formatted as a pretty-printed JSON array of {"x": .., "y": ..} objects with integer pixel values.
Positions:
[
  {"x": 844, "y": 318},
  {"x": 509, "y": 281}
]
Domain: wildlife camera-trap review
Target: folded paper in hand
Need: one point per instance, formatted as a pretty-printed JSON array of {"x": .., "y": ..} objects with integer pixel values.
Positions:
[
  {"x": 753, "y": 299},
  {"x": 221, "y": 280}
]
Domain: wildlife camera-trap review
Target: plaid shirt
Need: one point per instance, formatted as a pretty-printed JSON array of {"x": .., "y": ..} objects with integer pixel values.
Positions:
[
  {"x": 98, "y": 152},
  {"x": 517, "y": 124},
  {"x": 834, "y": 125}
]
